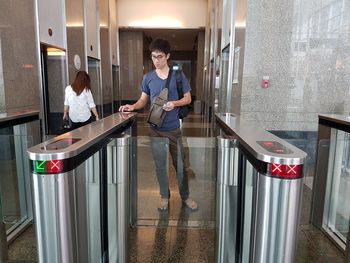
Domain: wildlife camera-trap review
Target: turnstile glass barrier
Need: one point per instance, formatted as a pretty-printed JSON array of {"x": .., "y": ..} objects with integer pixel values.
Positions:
[
  {"x": 337, "y": 209},
  {"x": 18, "y": 132},
  {"x": 119, "y": 194},
  {"x": 330, "y": 206},
  {"x": 15, "y": 186},
  {"x": 19, "y": 129},
  {"x": 82, "y": 192},
  {"x": 3, "y": 241},
  {"x": 260, "y": 180},
  {"x": 200, "y": 167}
]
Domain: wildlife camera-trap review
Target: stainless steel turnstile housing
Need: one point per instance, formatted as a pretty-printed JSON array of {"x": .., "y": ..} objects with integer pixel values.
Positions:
[
  {"x": 81, "y": 192},
  {"x": 259, "y": 188}
]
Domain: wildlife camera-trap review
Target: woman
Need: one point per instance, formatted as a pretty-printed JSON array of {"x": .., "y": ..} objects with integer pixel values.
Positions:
[{"x": 78, "y": 101}]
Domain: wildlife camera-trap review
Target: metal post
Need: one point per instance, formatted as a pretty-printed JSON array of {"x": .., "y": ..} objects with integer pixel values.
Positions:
[
  {"x": 118, "y": 156},
  {"x": 275, "y": 218},
  {"x": 347, "y": 249},
  {"x": 227, "y": 201},
  {"x": 3, "y": 239}
]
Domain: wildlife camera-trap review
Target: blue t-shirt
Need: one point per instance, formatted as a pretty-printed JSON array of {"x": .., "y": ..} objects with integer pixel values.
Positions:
[{"x": 152, "y": 85}]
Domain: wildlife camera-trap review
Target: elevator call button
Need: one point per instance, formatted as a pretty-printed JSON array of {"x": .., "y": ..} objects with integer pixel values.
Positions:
[{"x": 274, "y": 147}]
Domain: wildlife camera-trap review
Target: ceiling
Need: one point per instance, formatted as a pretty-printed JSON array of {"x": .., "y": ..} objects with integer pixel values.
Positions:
[{"x": 179, "y": 39}]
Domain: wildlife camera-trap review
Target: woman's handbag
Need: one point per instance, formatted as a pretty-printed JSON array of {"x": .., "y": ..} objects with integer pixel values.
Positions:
[
  {"x": 66, "y": 125},
  {"x": 157, "y": 113}
]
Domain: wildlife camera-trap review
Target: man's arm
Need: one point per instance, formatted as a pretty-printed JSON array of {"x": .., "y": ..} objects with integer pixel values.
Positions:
[
  {"x": 139, "y": 104},
  {"x": 186, "y": 99}
]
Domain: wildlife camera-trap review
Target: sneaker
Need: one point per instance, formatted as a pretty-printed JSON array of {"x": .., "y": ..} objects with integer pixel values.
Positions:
[
  {"x": 164, "y": 203},
  {"x": 191, "y": 204}
]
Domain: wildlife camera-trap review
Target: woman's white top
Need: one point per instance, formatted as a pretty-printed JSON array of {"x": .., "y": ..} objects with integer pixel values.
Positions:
[{"x": 79, "y": 106}]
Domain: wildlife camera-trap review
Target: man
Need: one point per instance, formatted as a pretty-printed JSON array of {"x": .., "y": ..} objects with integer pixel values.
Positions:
[{"x": 151, "y": 86}]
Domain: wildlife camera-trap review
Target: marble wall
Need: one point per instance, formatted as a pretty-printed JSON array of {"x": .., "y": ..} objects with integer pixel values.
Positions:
[
  {"x": 131, "y": 62},
  {"x": 75, "y": 36},
  {"x": 200, "y": 62},
  {"x": 19, "y": 55},
  {"x": 75, "y": 46},
  {"x": 304, "y": 48}
]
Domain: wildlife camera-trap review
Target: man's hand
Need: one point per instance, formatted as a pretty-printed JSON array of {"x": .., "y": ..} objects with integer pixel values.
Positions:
[
  {"x": 169, "y": 106},
  {"x": 125, "y": 115},
  {"x": 127, "y": 107}
]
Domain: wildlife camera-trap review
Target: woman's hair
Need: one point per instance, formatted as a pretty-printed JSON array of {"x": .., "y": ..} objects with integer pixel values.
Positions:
[
  {"x": 81, "y": 82},
  {"x": 161, "y": 45}
]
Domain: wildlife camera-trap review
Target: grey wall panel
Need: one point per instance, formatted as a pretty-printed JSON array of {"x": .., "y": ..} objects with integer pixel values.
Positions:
[
  {"x": 52, "y": 16},
  {"x": 20, "y": 86},
  {"x": 92, "y": 28}
]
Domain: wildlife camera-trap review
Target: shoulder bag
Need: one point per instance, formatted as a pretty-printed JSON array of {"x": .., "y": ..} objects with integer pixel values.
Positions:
[{"x": 157, "y": 113}]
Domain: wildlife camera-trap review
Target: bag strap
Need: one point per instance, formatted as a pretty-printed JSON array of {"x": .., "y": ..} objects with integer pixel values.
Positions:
[
  {"x": 164, "y": 92},
  {"x": 168, "y": 78},
  {"x": 179, "y": 84}
]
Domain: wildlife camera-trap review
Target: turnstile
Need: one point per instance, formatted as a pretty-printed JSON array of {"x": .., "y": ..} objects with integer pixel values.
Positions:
[
  {"x": 226, "y": 200},
  {"x": 330, "y": 210},
  {"x": 81, "y": 192},
  {"x": 259, "y": 188}
]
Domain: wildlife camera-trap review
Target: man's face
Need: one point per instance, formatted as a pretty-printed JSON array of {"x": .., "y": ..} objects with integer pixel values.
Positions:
[{"x": 159, "y": 59}]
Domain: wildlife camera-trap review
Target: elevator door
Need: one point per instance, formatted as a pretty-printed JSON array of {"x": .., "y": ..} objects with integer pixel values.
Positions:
[
  {"x": 94, "y": 70},
  {"x": 54, "y": 81}
]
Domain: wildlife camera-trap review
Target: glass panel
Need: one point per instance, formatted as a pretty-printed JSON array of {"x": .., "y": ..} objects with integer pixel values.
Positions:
[
  {"x": 337, "y": 213},
  {"x": 14, "y": 177},
  {"x": 223, "y": 81},
  {"x": 118, "y": 185},
  {"x": 116, "y": 89},
  {"x": 88, "y": 221},
  {"x": 250, "y": 176},
  {"x": 3, "y": 242},
  {"x": 200, "y": 158},
  {"x": 94, "y": 69}
]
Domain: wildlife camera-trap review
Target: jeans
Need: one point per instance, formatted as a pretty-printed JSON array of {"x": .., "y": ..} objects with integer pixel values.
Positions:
[{"x": 160, "y": 141}]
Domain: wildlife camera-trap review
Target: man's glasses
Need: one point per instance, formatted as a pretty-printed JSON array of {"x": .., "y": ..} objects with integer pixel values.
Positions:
[{"x": 159, "y": 57}]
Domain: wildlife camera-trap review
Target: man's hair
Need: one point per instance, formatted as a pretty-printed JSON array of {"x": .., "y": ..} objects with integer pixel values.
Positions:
[{"x": 161, "y": 45}]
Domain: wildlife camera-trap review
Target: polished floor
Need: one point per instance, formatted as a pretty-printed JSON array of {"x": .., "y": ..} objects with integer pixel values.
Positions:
[{"x": 181, "y": 235}]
